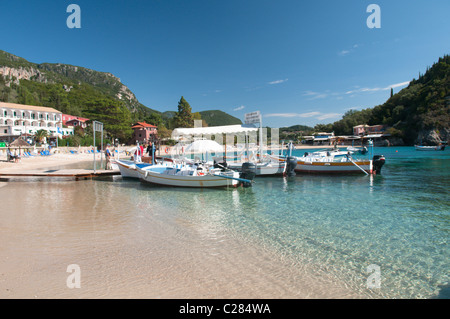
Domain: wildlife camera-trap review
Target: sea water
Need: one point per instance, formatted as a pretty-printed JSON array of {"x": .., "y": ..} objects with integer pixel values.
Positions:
[{"x": 383, "y": 236}]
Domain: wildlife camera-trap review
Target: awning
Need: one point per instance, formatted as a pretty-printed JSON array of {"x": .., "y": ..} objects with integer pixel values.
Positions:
[{"x": 212, "y": 130}]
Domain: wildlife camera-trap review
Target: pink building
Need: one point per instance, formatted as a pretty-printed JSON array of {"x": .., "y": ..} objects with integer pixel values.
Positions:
[
  {"x": 77, "y": 122},
  {"x": 361, "y": 130},
  {"x": 143, "y": 132},
  {"x": 73, "y": 120}
]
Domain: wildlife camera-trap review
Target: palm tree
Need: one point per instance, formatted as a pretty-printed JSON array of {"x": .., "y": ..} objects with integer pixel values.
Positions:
[{"x": 40, "y": 135}]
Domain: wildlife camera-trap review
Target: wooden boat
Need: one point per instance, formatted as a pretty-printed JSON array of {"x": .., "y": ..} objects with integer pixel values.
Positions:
[
  {"x": 429, "y": 148},
  {"x": 190, "y": 176},
  {"x": 337, "y": 162}
]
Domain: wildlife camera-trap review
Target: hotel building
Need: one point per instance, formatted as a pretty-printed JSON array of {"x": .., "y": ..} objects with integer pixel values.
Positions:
[{"x": 18, "y": 119}]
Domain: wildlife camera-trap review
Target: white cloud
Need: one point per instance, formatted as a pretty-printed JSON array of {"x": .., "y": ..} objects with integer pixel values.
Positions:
[
  {"x": 392, "y": 86},
  {"x": 239, "y": 108},
  {"x": 343, "y": 52},
  {"x": 316, "y": 115},
  {"x": 309, "y": 93},
  {"x": 278, "y": 81},
  {"x": 328, "y": 116},
  {"x": 315, "y": 95}
]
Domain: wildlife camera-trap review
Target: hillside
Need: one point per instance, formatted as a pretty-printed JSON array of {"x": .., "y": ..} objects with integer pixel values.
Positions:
[
  {"x": 419, "y": 113},
  {"x": 422, "y": 110},
  {"x": 218, "y": 118},
  {"x": 62, "y": 86},
  {"x": 84, "y": 92}
]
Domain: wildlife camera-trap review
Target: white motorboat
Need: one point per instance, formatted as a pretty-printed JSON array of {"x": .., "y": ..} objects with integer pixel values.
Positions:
[
  {"x": 267, "y": 166},
  {"x": 429, "y": 148},
  {"x": 191, "y": 176},
  {"x": 128, "y": 168},
  {"x": 362, "y": 150}
]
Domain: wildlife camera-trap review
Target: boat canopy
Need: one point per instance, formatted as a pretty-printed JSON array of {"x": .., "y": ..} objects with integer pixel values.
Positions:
[{"x": 179, "y": 133}]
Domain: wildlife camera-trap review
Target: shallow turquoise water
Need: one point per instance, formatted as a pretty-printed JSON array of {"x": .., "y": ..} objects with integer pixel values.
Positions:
[
  {"x": 399, "y": 221},
  {"x": 337, "y": 225}
]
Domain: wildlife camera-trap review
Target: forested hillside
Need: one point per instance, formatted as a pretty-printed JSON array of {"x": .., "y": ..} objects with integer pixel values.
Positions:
[{"x": 420, "y": 113}]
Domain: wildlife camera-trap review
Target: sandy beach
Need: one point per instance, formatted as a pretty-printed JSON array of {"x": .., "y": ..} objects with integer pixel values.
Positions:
[{"x": 38, "y": 161}]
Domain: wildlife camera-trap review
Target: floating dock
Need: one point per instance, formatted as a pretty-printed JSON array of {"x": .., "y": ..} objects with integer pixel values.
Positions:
[{"x": 76, "y": 174}]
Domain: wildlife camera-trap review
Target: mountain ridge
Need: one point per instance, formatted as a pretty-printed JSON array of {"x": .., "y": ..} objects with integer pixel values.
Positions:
[{"x": 74, "y": 89}]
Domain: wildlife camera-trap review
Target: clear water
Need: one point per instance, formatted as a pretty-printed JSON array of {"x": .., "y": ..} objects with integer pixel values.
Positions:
[
  {"x": 399, "y": 221},
  {"x": 336, "y": 225}
]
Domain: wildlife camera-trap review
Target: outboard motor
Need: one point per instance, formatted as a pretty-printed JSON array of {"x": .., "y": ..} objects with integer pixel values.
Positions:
[
  {"x": 291, "y": 163},
  {"x": 248, "y": 171},
  {"x": 378, "y": 162}
]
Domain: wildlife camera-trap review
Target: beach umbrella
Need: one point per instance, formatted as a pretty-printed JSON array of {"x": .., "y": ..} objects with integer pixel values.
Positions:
[
  {"x": 19, "y": 142},
  {"x": 202, "y": 146}
]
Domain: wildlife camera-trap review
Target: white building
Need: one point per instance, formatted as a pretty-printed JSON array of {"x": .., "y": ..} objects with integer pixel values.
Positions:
[{"x": 18, "y": 119}]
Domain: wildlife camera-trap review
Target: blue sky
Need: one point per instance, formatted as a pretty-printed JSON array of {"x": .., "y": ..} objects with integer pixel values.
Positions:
[{"x": 298, "y": 62}]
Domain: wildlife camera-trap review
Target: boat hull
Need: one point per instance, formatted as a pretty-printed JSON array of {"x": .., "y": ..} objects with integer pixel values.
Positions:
[
  {"x": 127, "y": 169},
  {"x": 332, "y": 167},
  {"x": 429, "y": 148},
  {"x": 203, "y": 181}
]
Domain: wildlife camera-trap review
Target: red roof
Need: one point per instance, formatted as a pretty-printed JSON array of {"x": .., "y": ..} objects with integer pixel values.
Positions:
[
  {"x": 80, "y": 119},
  {"x": 142, "y": 124}
]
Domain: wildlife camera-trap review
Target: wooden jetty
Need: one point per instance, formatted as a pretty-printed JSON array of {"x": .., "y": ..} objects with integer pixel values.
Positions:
[{"x": 76, "y": 174}]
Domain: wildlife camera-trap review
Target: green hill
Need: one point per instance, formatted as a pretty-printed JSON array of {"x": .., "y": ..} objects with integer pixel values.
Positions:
[
  {"x": 419, "y": 113},
  {"x": 84, "y": 92},
  {"x": 64, "y": 87},
  {"x": 218, "y": 118}
]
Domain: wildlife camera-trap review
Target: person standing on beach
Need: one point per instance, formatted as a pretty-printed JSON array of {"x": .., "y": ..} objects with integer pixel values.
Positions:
[
  {"x": 138, "y": 154},
  {"x": 108, "y": 158}
]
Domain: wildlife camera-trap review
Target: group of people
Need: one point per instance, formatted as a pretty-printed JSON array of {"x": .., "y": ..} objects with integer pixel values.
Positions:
[
  {"x": 13, "y": 157},
  {"x": 137, "y": 154},
  {"x": 140, "y": 152}
]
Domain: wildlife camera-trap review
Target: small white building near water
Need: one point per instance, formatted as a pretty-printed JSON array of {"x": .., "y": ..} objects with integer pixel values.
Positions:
[{"x": 20, "y": 119}]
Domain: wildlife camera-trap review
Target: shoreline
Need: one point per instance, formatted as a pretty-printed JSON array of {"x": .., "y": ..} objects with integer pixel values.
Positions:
[{"x": 62, "y": 157}]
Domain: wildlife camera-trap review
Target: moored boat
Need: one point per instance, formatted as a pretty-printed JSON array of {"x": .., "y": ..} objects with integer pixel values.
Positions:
[
  {"x": 270, "y": 167},
  {"x": 128, "y": 168},
  {"x": 337, "y": 162},
  {"x": 192, "y": 176},
  {"x": 429, "y": 148}
]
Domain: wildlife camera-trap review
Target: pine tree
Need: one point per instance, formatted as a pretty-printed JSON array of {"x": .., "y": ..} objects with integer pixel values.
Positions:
[{"x": 184, "y": 117}]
